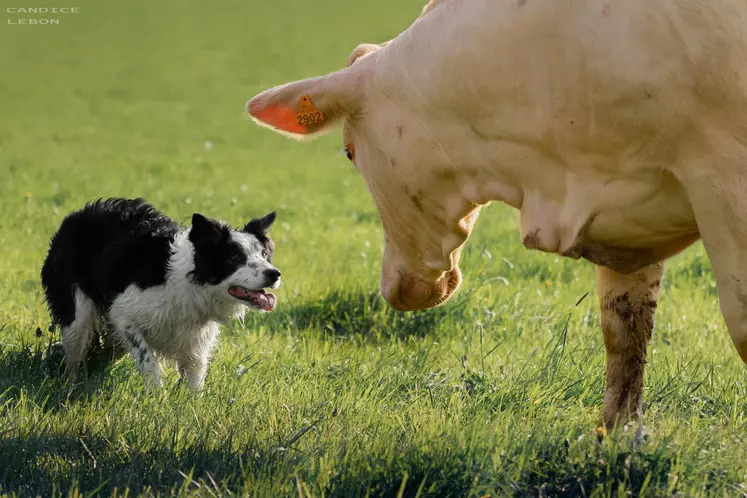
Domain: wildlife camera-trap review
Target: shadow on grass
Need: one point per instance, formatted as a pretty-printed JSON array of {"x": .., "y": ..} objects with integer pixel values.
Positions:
[
  {"x": 38, "y": 374},
  {"x": 536, "y": 466},
  {"x": 40, "y": 465},
  {"x": 43, "y": 465},
  {"x": 346, "y": 313}
]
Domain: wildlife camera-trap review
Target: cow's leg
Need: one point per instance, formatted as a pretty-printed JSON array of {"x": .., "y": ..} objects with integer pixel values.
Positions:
[
  {"x": 718, "y": 195},
  {"x": 628, "y": 304}
]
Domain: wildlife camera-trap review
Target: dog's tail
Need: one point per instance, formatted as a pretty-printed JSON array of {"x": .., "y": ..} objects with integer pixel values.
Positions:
[{"x": 58, "y": 282}]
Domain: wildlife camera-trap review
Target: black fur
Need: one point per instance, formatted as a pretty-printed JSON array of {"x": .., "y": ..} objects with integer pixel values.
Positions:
[
  {"x": 103, "y": 248},
  {"x": 259, "y": 228},
  {"x": 217, "y": 256},
  {"x": 114, "y": 243}
]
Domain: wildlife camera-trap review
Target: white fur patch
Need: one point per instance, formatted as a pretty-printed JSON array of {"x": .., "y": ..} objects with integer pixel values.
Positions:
[{"x": 76, "y": 338}]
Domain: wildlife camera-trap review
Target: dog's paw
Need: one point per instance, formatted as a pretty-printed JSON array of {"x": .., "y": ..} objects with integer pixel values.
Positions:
[
  {"x": 195, "y": 385},
  {"x": 640, "y": 435},
  {"x": 153, "y": 382}
]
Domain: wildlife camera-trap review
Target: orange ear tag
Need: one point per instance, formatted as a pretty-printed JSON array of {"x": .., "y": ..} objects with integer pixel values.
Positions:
[{"x": 309, "y": 114}]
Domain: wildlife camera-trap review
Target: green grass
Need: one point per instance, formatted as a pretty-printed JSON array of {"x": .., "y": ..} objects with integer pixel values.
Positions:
[{"x": 334, "y": 394}]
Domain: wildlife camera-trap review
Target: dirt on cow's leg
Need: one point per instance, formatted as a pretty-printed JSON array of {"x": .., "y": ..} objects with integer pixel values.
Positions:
[{"x": 628, "y": 304}]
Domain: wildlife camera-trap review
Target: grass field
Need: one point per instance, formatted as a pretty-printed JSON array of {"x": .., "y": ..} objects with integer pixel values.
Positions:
[{"x": 333, "y": 394}]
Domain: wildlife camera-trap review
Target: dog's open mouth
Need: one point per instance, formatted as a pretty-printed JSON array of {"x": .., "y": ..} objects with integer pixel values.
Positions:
[{"x": 257, "y": 298}]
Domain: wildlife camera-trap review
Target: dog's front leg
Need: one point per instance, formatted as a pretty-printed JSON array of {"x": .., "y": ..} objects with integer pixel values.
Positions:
[
  {"x": 628, "y": 304},
  {"x": 192, "y": 363},
  {"x": 193, "y": 370},
  {"x": 146, "y": 361}
]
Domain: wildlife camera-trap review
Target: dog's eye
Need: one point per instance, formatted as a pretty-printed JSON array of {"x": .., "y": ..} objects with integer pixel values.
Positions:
[
  {"x": 235, "y": 258},
  {"x": 264, "y": 254}
]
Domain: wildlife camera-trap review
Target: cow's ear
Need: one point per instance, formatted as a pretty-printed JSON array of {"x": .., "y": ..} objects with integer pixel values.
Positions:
[
  {"x": 362, "y": 50},
  {"x": 312, "y": 106}
]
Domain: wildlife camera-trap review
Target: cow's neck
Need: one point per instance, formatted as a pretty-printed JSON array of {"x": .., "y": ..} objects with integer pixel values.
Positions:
[{"x": 624, "y": 224}]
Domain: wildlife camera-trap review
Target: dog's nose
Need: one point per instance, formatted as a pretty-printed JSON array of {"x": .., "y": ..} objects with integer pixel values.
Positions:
[{"x": 273, "y": 274}]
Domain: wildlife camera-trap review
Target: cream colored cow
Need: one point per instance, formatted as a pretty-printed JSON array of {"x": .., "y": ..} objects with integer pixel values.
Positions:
[
  {"x": 367, "y": 48},
  {"x": 617, "y": 128}
]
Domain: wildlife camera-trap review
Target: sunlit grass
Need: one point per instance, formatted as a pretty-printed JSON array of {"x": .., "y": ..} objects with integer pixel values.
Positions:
[{"x": 333, "y": 394}]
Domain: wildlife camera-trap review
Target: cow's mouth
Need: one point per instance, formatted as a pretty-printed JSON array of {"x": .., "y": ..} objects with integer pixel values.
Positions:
[{"x": 257, "y": 298}]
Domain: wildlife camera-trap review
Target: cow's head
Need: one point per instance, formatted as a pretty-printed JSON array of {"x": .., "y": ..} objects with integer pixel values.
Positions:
[{"x": 400, "y": 150}]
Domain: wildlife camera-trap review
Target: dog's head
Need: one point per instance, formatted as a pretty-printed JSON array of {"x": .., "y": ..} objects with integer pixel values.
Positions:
[{"x": 238, "y": 263}]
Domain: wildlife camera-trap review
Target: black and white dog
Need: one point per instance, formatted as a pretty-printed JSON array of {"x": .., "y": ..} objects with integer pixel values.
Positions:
[{"x": 120, "y": 272}]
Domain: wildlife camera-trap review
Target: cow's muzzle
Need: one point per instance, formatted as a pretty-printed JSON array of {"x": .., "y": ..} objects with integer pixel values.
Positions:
[{"x": 412, "y": 293}]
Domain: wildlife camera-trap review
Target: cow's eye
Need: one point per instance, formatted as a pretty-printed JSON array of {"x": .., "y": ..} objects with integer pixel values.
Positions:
[{"x": 349, "y": 151}]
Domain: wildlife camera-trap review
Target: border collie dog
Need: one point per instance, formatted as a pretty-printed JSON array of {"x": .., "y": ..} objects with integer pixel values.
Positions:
[{"x": 120, "y": 272}]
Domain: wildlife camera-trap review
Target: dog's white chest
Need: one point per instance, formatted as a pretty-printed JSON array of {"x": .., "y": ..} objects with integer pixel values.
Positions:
[{"x": 171, "y": 322}]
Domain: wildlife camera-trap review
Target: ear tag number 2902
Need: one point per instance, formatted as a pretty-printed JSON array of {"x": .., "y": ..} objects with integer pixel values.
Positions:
[{"x": 309, "y": 114}]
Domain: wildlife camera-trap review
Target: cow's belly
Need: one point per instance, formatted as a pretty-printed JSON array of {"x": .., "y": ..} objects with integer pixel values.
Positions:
[
  {"x": 641, "y": 213},
  {"x": 636, "y": 236},
  {"x": 627, "y": 260}
]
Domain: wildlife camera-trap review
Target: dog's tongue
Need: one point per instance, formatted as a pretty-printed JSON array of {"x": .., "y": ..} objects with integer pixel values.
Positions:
[{"x": 265, "y": 300}]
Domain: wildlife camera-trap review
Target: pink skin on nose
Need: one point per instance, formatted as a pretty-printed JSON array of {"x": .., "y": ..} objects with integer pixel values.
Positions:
[{"x": 414, "y": 292}]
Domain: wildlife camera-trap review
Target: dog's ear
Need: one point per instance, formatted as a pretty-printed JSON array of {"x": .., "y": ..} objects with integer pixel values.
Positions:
[
  {"x": 260, "y": 226},
  {"x": 205, "y": 231}
]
